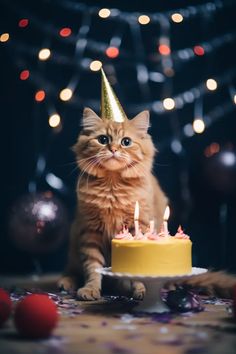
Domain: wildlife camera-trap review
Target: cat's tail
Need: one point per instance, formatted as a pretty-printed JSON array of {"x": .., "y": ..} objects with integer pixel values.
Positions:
[{"x": 215, "y": 283}]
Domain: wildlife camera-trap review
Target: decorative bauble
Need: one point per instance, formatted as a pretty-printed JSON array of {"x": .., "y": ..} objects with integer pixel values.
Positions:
[
  {"x": 35, "y": 316},
  {"x": 182, "y": 300},
  {"x": 38, "y": 223},
  {"x": 5, "y": 306},
  {"x": 220, "y": 172},
  {"x": 234, "y": 302}
]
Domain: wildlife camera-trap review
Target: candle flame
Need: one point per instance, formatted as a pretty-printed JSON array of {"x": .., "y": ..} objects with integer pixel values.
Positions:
[
  {"x": 136, "y": 211},
  {"x": 167, "y": 213}
]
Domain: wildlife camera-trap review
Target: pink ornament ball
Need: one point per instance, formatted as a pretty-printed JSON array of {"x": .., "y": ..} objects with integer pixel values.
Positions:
[
  {"x": 234, "y": 302},
  {"x": 35, "y": 316},
  {"x": 5, "y": 306}
]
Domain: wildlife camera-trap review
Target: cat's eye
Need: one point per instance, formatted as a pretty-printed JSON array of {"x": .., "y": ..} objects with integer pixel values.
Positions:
[
  {"x": 126, "y": 141},
  {"x": 103, "y": 139}
]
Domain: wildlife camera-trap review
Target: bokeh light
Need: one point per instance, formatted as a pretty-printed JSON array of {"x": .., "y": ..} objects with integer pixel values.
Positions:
[
  {"x": 198, "y": 125},
  {"x": 112, "y": 52},
  {"x": 212, "y": 149},
  {"x": 24, "y": 74},
  {"x": 169, "y": 103},
  {"x": 44, "y": 54},
  {"x": 164, "y": 49},
  {"x": 168, "y": 71},
  {"x": 104, "y": 13},
  {"x": 177, "y": 17},
  {"x": 211, "y": 84},
  {"x": 4, "y": 37},
  {"x": 40, "y": 95},
  {"x": 66, "y": 94},
  {"x": 198, "y": 50},
  {"x": 95, "y": 65},
  {"x": 65, "y": 32},
  {"x": 23, "y": 22},
  {"x": 143, "y": 19},
  {"x": 54, "y": 120},
  {"x": 234, "y": 98}
]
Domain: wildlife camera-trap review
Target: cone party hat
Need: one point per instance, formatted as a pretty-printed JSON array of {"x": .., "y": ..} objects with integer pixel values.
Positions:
[{"x": 111, "y": 108}]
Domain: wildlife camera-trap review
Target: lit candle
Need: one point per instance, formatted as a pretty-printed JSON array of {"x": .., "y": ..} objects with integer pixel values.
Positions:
[
  {"x": 165, "y": 218},
  {"x": 136, "y": 216},
  {"x": 151, "y": 226}
]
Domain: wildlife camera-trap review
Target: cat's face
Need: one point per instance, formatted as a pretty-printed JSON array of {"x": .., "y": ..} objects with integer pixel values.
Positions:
[{"x": 105, "y": 146}]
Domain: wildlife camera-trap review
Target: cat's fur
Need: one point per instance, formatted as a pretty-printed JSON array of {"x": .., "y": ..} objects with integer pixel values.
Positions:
[{"x": 113, "y": 178}]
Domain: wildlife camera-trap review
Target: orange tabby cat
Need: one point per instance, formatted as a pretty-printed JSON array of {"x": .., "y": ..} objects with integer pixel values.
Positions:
[{"x": 115, "y": 160}]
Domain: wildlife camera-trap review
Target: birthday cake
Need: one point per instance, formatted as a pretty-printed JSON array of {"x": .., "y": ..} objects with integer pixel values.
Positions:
[{"x": 152, "y": 254}]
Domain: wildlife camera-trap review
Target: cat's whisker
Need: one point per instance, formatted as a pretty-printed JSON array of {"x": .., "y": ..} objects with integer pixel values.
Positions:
[
  {"x": 136, "y": 165},
  {"x": 86, "y": 169}
]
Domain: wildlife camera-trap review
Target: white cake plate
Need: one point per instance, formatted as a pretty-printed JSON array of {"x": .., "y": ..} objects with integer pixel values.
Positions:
[{"x": 152, "y": 301}]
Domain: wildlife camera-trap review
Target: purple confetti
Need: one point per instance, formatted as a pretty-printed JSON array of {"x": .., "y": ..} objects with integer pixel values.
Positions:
[
  {"x": 165, "y": 317},
  {"x": 115, "y": 349},
  {"x": 175, "y": 341},
  {"x": 104, "y": 323}
]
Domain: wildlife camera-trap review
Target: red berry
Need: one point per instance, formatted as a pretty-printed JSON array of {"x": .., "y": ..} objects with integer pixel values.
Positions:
[
  {"x": 5, "y": 306},
  {"x": 35, "y": 316}
]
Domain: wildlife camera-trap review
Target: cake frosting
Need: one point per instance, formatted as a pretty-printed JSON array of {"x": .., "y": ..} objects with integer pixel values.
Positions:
[
  {"x": 124, "y": 234},
  {"x": 180, "y": 234},
  {"x": 152, "y": 254}
]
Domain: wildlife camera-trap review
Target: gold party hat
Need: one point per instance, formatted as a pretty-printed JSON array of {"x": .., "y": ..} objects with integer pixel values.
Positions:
[{"x": 110, "y": 106}]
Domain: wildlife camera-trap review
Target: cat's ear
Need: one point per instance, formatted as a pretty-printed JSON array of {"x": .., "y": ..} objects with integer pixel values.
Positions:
[
  {"x": 90, "y": 119},
  {"x": 141, "y": 122}
]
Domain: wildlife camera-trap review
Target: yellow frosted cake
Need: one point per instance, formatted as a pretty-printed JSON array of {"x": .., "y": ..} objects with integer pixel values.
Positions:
[{"x": 152, "y": 254}]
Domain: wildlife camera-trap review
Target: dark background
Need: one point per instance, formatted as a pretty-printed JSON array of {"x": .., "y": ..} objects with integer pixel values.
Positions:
[{"x": 201, "y": 189}]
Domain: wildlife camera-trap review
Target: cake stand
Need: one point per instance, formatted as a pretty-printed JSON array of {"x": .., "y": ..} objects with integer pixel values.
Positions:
[{"x": 152, "y": 301}]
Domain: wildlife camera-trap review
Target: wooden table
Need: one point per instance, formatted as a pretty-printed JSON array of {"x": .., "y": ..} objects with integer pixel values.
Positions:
[{"x": 108, "y": 326}]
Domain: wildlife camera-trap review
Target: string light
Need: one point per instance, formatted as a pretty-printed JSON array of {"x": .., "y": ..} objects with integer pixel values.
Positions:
[
  {"x": 211, "y": 84},
  {"x": 143, "y": 19},
  {"x": 198, "y": 125},
  {"x": 66, "y": 94},
  {"x": 24, "y": 75},
  {"x": 164, "y": 49},
  {"x": 169, "y": 103},
  {"x": 4, "y": 37},
  {"x": 95, "y": 65},
  {"x": 104, "y": 13},
  {"x": 208, "y": 8},
  {"x": 54, "y": 120},
  {"x": 112, "y": 52},
  {"x": 198, "y": 50},
  {"x": 65, "y": 32},
  {"x": 177, "y": 17},
  {"x": 23, "y": 22},
  {"x": 44, "y": 54},
  {"x": 40, "y": 95}
]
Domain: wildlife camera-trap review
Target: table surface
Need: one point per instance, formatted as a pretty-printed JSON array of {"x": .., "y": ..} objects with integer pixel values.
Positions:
[{"x": 109, "y": 326}]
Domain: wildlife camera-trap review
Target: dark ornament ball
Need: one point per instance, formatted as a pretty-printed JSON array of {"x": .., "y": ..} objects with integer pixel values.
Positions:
[
  {"x": 38, "y": 223},
  {"x": 183, "y": 300},
  {"x": 220, "y": 172}
]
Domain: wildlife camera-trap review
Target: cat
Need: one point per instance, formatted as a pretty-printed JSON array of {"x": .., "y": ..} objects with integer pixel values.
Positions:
[{"x": 115, "y": 160}]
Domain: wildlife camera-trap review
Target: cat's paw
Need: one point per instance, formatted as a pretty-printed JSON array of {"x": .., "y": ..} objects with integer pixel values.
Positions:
[
  {"x": 138, "y": 290},
  {"x": 88, "y": 293},
  {"x": 67, "y": 283}
]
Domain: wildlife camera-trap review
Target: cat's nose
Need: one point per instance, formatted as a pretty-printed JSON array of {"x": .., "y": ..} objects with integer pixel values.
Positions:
[{"x": 113, "y": 149}]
